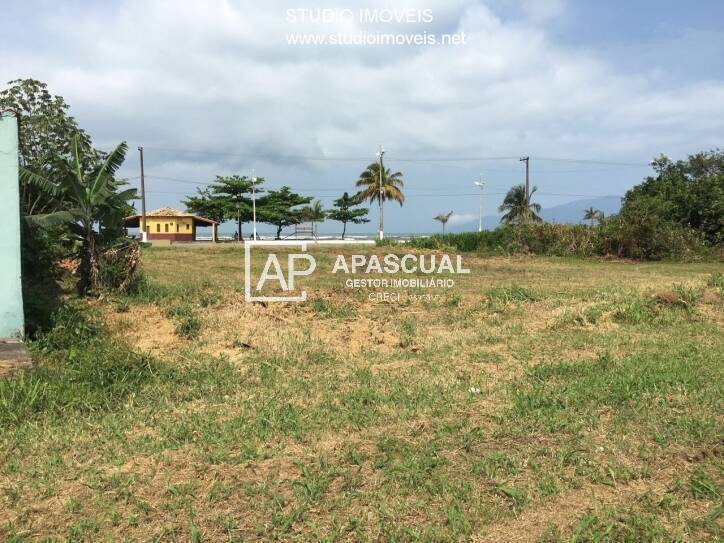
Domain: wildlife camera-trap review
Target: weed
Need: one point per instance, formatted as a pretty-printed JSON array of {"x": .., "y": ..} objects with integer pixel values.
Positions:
[
  {"x": 408, "y": 331},
  {"x": 634, "y": 312},
  {"x": 702, "y": 486},
  {"x": 122, "y": 306},
  {"x": 188, "y": 324},
  {"x": 689, "y": 295},
  {"x": 209, "y": 299},
  {"x": 328, "y": 310},
  {"x": 716, "y": 280},
  {"x": 188, "y": 327},
  {"x": 619, "y": 526},
  {"x": 511, "y": 294}
]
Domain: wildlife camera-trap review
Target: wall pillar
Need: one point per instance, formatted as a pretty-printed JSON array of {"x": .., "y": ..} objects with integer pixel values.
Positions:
[{"x": 12, "y": 322}]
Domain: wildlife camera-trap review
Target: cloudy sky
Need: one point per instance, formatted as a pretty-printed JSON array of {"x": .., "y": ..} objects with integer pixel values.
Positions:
[{"x": 216, "y": 87}]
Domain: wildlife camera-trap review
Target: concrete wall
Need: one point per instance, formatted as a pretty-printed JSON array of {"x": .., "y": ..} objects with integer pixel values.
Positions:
[{"x": 11, "y": 295}]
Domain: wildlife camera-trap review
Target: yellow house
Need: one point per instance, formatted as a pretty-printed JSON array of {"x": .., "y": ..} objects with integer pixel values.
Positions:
[{"x": 171, "y": 224}]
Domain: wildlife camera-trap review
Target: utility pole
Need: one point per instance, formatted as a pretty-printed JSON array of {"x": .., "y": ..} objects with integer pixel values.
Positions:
[
  {"x": 480, "y": 185},
  {"x": 526, "y": 159},
  {"x": 144, "y": 233},
  {"x": 381, "y": 234}
]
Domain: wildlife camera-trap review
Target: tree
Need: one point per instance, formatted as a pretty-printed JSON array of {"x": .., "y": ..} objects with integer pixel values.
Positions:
[
  {"x": 90, "y": 198},
  {"x": 206, "y": 204},
  {"x": 443, "y": 218},
  {"x": 390, "y": 187},
  {"x": 344, "y": 212},
  {"x": 276, "y": 208},
  {"x": 516, "y": 209},
  {"x": 46, "y": 133},
  {"x": 687, "y": 193},
  {"x": 592, "y": 215},
  {"x": 232, "y": 192},
  {"x": 314, "y": 213}
]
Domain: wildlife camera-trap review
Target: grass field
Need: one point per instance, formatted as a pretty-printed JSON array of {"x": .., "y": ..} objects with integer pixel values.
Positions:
[{"x": 541, "y": 399}]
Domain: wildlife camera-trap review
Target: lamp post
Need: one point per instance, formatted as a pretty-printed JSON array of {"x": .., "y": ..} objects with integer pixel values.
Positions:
[
  {"x": 480, "y": 185},
  {"x": 253, "y": 204},
  {"x": 381, "y": 234}
]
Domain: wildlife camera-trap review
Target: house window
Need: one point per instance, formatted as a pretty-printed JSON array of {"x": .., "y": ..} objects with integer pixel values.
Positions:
[
  {"x": 188, "y": 227},
  {"x": 158, "y": 227},
  {"x": 165, "y": 227},
  {"x": 176, "y": 227}
]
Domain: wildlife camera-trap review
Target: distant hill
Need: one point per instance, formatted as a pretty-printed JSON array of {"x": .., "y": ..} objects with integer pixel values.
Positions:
[{"x": 572, "y": 212}]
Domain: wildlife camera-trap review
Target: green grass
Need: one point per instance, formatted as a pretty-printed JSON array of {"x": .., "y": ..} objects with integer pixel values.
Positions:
[{"x": 532, "y": 384}]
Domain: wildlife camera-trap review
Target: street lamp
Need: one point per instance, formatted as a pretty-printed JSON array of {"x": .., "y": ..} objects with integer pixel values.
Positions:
[
  {"x": 480, "y": 185},
  {"x": 253, "y": 203},
  {"x": 381, "y": 234}
]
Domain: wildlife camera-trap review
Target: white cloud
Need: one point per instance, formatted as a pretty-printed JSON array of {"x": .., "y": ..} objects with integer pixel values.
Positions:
[{"x": 462, "y": 218}]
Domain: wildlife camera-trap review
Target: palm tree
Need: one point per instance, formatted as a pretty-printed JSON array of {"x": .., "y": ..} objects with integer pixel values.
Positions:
[
  {"x": 592, "y": 215},
  {"x": 517, "y": 208},
  {"x": 314, "y": 213},
  {"x": 90, "y": 198},
  {"x": 443, "y": 218},
  {"x": 380, "y": 188}
]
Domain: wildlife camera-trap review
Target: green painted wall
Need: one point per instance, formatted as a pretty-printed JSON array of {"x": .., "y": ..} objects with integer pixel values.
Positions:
[{"x": 11, "y": 295}]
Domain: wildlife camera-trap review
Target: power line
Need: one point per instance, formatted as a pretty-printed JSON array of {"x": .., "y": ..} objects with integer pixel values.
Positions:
[
  {"x": 429, "y": 160},
  {"x": 209, "y": 183},
  {"x": 430, "y": 195},
  {"x": 260, "y": 155},
  {"x": 589, "y": 161}
]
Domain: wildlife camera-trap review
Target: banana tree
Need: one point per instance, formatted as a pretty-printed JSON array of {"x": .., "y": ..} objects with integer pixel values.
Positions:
[{"x": 92, "y": 204}]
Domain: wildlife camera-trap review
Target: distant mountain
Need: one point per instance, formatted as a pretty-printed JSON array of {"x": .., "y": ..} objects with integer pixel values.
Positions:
[{"x": 572, "y": 212}]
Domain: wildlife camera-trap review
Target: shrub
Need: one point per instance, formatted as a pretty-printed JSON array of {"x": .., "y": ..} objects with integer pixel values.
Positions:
[
  {"x": 615, "y": 236},
  {"x": 118, "y": 267},
  {"x": 491, "y": 241},
  {"x": 646, "y": 239}
]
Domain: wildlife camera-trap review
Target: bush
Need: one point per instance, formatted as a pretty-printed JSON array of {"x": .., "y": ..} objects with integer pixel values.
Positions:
[
  {"x": 616, "y": 237},
  {"x": 487, "y": 241},
  {"x": 40, "y": 249},
  {"x": 648, "y": 239},
  {"x": 119, "y": 269}
]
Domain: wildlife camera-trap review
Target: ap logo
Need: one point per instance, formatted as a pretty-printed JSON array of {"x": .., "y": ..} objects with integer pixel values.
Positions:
[{"x": 273, "y": 273}]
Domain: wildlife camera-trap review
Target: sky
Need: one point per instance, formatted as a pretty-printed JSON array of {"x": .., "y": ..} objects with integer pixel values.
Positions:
[{"x": 591, "y": 91}]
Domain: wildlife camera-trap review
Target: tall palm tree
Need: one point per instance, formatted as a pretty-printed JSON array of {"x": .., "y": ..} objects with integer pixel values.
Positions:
[
  {"x": 592, "y": 215},
  {"x": 90, "y": 198},
  {"x": 377, "y": 183},
  {"x": 517, "y": 209},
  {"x": 443, "y": 218}
]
